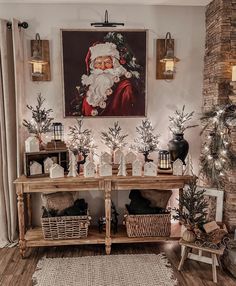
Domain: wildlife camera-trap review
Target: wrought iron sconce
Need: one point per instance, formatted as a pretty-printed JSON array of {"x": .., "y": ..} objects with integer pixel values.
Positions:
[
  {"x": 166, "y": 59},
  {"x": 40, "y": 59}
]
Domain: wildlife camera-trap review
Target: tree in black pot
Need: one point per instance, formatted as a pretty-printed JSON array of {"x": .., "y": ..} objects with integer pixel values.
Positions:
[{"x": 178, "y": 146}]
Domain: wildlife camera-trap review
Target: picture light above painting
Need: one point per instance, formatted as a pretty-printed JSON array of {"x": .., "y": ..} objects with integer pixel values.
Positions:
[{"x": 104, "y": 72}]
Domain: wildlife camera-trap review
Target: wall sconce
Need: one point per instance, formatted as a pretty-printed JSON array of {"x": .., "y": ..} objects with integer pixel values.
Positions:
[
  {"x": 233, "y": 73},
  {"x": 232, "y": 93},
  {"x": 166, "y": 59},
  {"x": 40, "y": 59}
]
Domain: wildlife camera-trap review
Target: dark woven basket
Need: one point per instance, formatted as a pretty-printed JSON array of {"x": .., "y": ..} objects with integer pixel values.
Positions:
[
  {"x": 148, "y": 225},
  {"x": 65, "y": 227}
]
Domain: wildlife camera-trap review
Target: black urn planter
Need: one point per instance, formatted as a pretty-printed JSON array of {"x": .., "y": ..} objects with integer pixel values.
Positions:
[{"x": 178, "y": 147}]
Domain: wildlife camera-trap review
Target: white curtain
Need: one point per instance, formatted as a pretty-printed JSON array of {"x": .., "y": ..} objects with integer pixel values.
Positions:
[{"x": 10, "y": 94}]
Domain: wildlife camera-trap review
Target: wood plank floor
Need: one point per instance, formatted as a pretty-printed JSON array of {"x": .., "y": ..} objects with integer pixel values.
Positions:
[{"x": 15, "y": 271}]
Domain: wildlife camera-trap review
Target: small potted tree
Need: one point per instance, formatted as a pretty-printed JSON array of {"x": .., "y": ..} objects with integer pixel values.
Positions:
[{"x": 192, "y": 210}]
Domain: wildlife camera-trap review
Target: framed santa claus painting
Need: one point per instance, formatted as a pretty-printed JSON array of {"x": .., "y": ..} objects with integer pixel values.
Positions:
[{"x": 104, "y": 72}]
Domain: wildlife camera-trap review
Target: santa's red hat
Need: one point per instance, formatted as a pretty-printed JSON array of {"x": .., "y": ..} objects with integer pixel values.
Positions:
[{"x": 101, "y": 50}]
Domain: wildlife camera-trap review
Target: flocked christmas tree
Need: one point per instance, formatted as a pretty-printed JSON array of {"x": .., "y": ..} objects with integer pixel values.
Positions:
[
  {"x": 193, "y": 210},
  {"x": 41, "y": 120},
  {"x": 178, "y": 121},
  {"x": 114, "y": 138},
  {"x": 81, "y": 140},
  {"x": 122, "y": 167},
  {"x": 72, "y": 165},
  {"x": 147, "y": 141}
]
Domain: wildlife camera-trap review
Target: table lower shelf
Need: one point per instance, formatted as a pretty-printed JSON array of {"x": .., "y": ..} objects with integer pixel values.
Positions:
[
  {"x": 34, "y": 237},
  {"x": 121, "y": 236}
]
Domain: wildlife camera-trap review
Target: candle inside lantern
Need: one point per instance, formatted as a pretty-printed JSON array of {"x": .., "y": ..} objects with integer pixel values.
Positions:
[{"x": 164, "y": 160}]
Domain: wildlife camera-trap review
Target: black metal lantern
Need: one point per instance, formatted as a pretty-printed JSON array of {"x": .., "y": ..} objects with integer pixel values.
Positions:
[
  {"x": 58, "y": 131},
  {"x": 57, "y": 137},
  {"x": 164, "y": 160}
]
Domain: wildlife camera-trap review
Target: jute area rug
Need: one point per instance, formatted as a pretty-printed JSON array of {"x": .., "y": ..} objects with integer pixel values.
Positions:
[{"x": 113, "y": 270}]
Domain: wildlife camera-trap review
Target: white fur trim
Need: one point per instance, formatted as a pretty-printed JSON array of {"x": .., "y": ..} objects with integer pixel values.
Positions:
[{"x": 106, "y": 49}]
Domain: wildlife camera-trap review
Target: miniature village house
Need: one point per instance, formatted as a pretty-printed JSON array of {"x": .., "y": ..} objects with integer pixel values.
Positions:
[
  {"x": 56, "y": 171},
  {"x": 32, "y": 144},
  {"x": 137, "y": 168},
  {"x": 150, "y": 169},
  {"x": 89, "y": 169}
]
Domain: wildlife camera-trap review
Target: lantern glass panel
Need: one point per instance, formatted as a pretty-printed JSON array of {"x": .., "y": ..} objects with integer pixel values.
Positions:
[
  {"x": 164, "y": 160},
  {"x": 57, "y": 131}
]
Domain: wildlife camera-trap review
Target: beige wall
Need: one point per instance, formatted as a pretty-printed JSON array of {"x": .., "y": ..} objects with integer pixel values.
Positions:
[{"x": 187, "y": 26}]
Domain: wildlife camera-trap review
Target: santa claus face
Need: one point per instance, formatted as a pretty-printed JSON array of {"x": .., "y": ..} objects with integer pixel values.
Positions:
[{"x": 103, "y": 63}]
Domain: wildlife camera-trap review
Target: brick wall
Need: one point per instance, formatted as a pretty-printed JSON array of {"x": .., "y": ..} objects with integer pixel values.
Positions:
[{"x": 220, "y": 54}]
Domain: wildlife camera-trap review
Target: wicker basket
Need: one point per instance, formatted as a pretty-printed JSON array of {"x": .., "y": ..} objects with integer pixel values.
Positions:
[
  {"x": 147, "y": 225},
  {"x": 65, "y": 227}
]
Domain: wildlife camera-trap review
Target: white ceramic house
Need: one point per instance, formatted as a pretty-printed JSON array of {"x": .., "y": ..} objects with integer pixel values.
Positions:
[
  {"x": 105, "y": 170},
  {"x": 89, "y": 169},
  {"x": 47, "y": 164},
  {"x": 32, "y": 144},
  {"x": 130, "y": 157},
  {"x": 105, "y": 158},
  {"x": 150, "y": 169},
  {"x": 177, "y": 167},
  {"x": 137, "y": 168},
  {"x": 56, "y": 171},
  {"x": 117, "y": 156},
  {"x": 35, "y": 168}
]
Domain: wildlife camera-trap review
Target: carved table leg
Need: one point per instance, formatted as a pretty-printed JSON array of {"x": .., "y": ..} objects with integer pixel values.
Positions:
[
  {"x": 108, "y": 216},
  {"x": 21, "y": 218},
  {"x": 29, "y": 210}
]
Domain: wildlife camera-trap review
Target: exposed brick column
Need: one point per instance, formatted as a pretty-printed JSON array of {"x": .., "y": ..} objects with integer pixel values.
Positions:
[{"x": 220, "y": 54}]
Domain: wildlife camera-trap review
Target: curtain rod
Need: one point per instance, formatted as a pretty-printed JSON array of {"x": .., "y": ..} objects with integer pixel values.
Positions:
[{"x": 23, "y": 25}]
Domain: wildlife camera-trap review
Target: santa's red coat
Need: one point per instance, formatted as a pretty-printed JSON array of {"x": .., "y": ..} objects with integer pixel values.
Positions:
[{"x": 122, "y": 102}]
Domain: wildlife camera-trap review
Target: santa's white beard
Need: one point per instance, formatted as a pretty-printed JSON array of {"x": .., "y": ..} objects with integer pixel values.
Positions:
[{"x": 100, "y": 83}]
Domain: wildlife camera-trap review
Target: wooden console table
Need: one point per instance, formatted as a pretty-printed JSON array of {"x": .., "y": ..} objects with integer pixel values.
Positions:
[{"x": 33, "y": 237}]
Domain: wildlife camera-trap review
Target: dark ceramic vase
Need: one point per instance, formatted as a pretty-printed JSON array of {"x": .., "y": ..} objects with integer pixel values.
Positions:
[
  {"x": 178, "y": 147},
  {"x": 81, "y": 162}
]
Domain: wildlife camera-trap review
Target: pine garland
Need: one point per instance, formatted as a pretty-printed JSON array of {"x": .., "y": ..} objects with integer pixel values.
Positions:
[
  {"x": 41, "y": 120},
  {"x": 81, "y": 140},
  {"x": 113, "y": 139},
  {"x": 178, "y": 121},
  {"x": 147, "y": 140},
  {"x": 216, "y": 156},
  {"x": 193, "y": 209}
]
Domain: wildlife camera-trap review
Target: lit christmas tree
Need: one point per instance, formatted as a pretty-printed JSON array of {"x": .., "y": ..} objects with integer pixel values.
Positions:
[
  {"x": 113, "y": 139},
  {"x": 41, "y": 120},
  {"x": 147, "y": 141},
  {"x": 81, "y": 140}
]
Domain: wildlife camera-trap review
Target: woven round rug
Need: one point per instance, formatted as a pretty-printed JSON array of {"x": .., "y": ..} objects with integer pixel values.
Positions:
[{"x": 107, "y": 270}]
